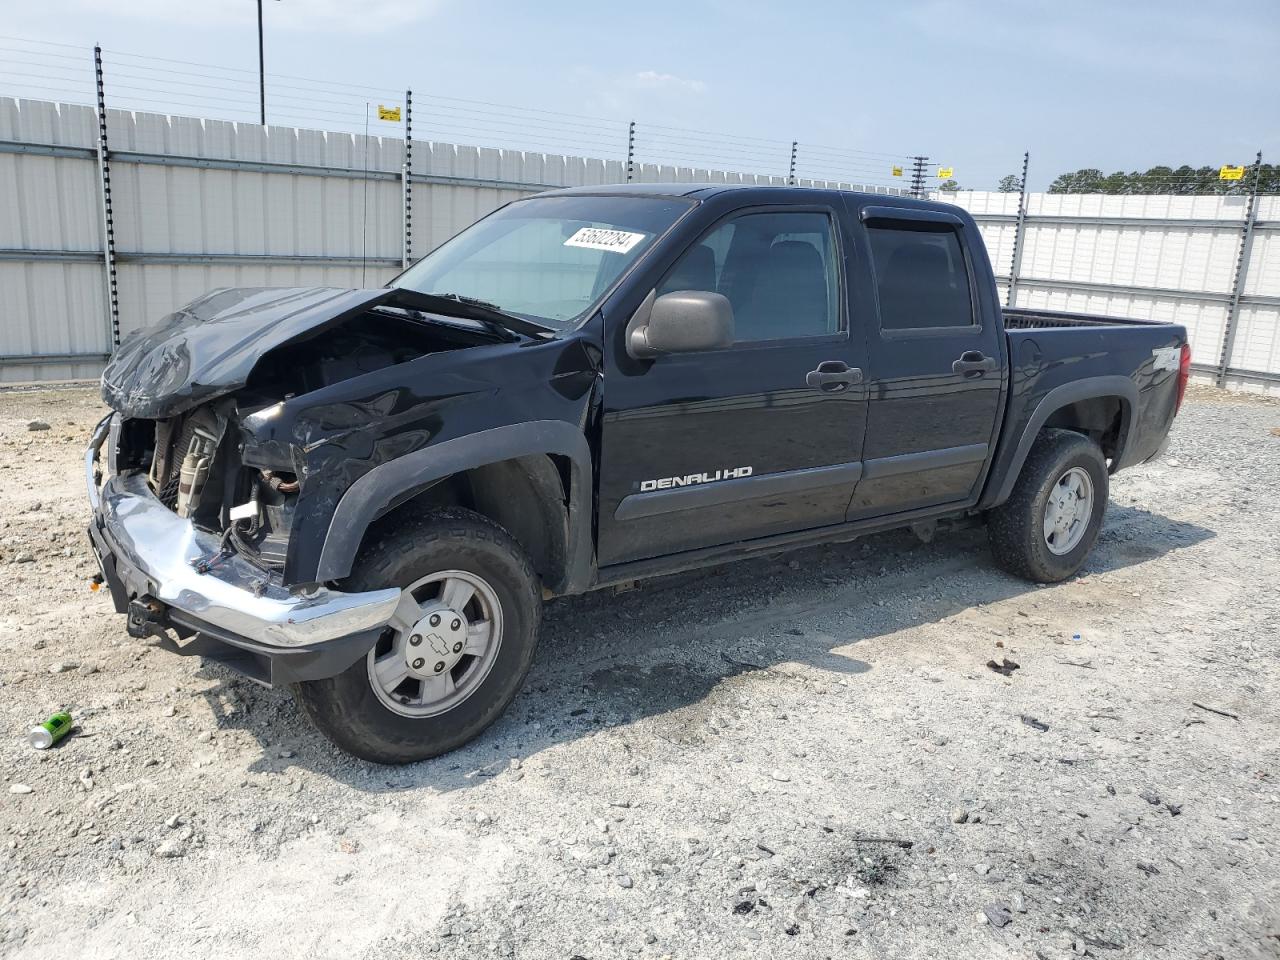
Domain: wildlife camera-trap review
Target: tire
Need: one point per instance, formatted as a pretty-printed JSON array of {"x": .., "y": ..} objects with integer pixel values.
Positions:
[
  {"x": 1016, "y": 529},
  {"x": 403, "y": 725}
]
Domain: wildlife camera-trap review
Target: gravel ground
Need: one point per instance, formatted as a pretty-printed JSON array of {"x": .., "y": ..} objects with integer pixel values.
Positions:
[{"x": 804, "y": 756}]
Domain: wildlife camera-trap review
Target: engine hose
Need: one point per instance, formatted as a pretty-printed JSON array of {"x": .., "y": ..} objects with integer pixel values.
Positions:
[{"x": 278, "y": 485}]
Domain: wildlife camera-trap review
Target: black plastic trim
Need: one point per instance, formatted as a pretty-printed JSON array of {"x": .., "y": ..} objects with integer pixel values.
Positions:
[
  {"x": 1053, "y": 401},
  {"x": 909, "y": 213},
  {"x": 367, "y": 498},
  {"x": 776, "y": 543},
  {"x": 925, "y": 460},
  {"x": 268, "y": 665}
]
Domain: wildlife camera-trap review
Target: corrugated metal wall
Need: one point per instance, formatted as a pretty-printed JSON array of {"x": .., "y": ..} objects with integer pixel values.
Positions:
[
  {"x": 1151, "y": 257},
  {"x": 200, "y": 204},
  {"x": 186, "y": 221},
  {"x": 50, "y": 205}
]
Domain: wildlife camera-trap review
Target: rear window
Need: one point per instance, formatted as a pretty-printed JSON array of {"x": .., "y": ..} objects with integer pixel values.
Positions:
[{"x": 921, "y": 277}]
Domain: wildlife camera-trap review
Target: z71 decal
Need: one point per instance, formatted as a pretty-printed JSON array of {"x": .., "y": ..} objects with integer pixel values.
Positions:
[{"x": 692, "y": 479}]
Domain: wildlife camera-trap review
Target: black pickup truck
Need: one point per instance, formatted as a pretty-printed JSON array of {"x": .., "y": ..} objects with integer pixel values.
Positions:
[{"x": 368, "y": 494}]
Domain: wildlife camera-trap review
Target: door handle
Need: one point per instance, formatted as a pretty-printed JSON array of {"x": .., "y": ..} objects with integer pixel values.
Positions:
[
  {"x": 974, "y": 361},
  {"x": 833, "y": 376}
]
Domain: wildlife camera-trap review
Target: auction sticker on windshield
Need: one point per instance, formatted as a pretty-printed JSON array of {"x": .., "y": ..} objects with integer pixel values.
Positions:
[{"x": 596, "y": 238}]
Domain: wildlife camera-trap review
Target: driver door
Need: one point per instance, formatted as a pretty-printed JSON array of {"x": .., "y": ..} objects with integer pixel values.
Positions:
[{"x": 713, "y": 447}]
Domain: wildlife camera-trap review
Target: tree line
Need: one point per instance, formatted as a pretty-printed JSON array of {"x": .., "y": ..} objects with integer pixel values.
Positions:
[{"x": 1167, "y": 180}]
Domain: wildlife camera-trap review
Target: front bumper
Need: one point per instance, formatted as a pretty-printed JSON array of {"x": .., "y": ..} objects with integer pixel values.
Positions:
[{"x": 149, "y": 558}]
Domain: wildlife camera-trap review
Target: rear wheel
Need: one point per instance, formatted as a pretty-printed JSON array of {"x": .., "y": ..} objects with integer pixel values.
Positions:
[
  {"x": 1047, "y": 527},
  {"x": 456, "y": 650}
]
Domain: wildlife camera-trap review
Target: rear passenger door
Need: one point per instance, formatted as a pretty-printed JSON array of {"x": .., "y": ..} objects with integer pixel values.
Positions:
[
  {"x": 936, "y": 369},
  {"x": 706, "y": 448}
]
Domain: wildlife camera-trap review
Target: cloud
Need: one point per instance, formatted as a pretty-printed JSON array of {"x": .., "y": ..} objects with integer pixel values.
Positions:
[
  {"x": 652, "y": 80},
  {"x": 326, "y": 16}
]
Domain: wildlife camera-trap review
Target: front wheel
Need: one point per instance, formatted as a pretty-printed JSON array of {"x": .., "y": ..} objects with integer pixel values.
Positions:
[
  {"x": 1045, "y": 530},
  {"x": 456, "y": 650}
]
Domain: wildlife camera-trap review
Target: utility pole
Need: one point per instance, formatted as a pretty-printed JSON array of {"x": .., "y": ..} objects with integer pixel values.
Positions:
[
  {"x": 791, "y": 177},
  {"x": 262, "y": 72},
  {"x": 917, "y": 176}
]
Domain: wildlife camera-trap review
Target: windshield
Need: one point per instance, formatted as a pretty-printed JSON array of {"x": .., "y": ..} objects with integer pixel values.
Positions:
[{"x": 549, "y": 259}]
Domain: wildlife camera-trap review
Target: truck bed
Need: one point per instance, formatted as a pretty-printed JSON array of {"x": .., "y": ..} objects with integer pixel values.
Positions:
[{"x": 1022, "y": 318}]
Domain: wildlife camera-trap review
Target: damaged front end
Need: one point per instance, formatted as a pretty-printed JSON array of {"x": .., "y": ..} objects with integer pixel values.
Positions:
[
  {"x": 195, "y": 467},
  {"x": 235, "y": 431}
]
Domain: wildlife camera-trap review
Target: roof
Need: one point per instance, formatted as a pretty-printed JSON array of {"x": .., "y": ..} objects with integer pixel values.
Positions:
[
  {"x": 706, "y": 190},
  {"x": 650, "y": 189}
]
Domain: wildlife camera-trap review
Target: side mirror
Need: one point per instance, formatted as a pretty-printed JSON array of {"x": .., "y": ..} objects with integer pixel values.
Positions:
[{"x": 680, "y": 322}]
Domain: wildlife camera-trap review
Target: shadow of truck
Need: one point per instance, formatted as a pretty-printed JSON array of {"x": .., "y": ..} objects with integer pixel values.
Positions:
[{"x": 607, "y": 659}]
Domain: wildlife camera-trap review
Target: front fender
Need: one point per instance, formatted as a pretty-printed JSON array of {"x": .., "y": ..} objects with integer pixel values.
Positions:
[{"x": 369, "y": 496}]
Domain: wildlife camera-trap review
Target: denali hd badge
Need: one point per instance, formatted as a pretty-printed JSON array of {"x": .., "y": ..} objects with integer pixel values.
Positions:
[{"x": 690, "y": 479}]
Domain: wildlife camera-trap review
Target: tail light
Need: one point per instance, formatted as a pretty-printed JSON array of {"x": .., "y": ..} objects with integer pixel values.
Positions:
[{"x": 1184, "y": 374}]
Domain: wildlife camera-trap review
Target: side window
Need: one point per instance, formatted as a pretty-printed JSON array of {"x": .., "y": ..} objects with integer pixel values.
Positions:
[
  {"x": 920, "y": 275},
  {"x": 777, "y": 269}
]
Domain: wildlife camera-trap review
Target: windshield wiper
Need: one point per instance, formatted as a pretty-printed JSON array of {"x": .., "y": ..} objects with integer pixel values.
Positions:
[
  {"x": 487, "y": 314},
  {"x": 433, "y": 316}
]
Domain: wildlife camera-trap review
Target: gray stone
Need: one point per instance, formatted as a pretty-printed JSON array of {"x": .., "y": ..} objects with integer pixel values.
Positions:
[
  {"x": 997, "y": 914},
  {"x": 170, "y": 849}
]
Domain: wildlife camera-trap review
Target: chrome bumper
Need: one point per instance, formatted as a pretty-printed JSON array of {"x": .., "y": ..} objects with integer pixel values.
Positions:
[{"x": 154, "y": 552}]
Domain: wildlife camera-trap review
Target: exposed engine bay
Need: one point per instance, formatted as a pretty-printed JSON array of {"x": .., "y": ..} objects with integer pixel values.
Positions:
[
  {"x": 195, "y": 470},
  {"x": 196, "y": 461}
]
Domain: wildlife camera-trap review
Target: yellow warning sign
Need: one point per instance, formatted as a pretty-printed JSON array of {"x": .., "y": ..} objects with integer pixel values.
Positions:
[
  {"x": 897, "y": 171},
  {"x": 388, "y": 113},
  {"x": 1230, "y": 173},
  {"x": 945, "y": 173}
]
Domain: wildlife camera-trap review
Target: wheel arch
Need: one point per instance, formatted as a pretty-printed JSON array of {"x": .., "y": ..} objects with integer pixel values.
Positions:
[
  {"x": 532, "y": 478},
  {"x": 1102, "y": 408}
]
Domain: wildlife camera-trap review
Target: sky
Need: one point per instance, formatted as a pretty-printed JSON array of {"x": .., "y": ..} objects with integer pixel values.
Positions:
[{"x": 1125, "y": 84}]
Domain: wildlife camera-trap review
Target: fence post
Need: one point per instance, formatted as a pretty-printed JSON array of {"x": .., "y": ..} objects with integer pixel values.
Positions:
[
  {"x": 108, "y": 220},
  {"x": 1015, "y": 262},
  {"x": 917, "y": 176},
  {"x": 791, "y": 177},
  {"x": 406, "y": 185},
  {"x": 1242, "y": 270},
  {"x": 631, "y": 150}
]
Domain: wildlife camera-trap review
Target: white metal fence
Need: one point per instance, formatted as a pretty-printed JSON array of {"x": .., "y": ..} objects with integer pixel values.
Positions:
[
  {"x": 197, "y": 204},
  {"x": 1195, "y": 260}
]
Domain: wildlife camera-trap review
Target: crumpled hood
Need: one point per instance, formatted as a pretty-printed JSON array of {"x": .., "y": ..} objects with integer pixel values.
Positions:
[{"x": 209, "y": 347}]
